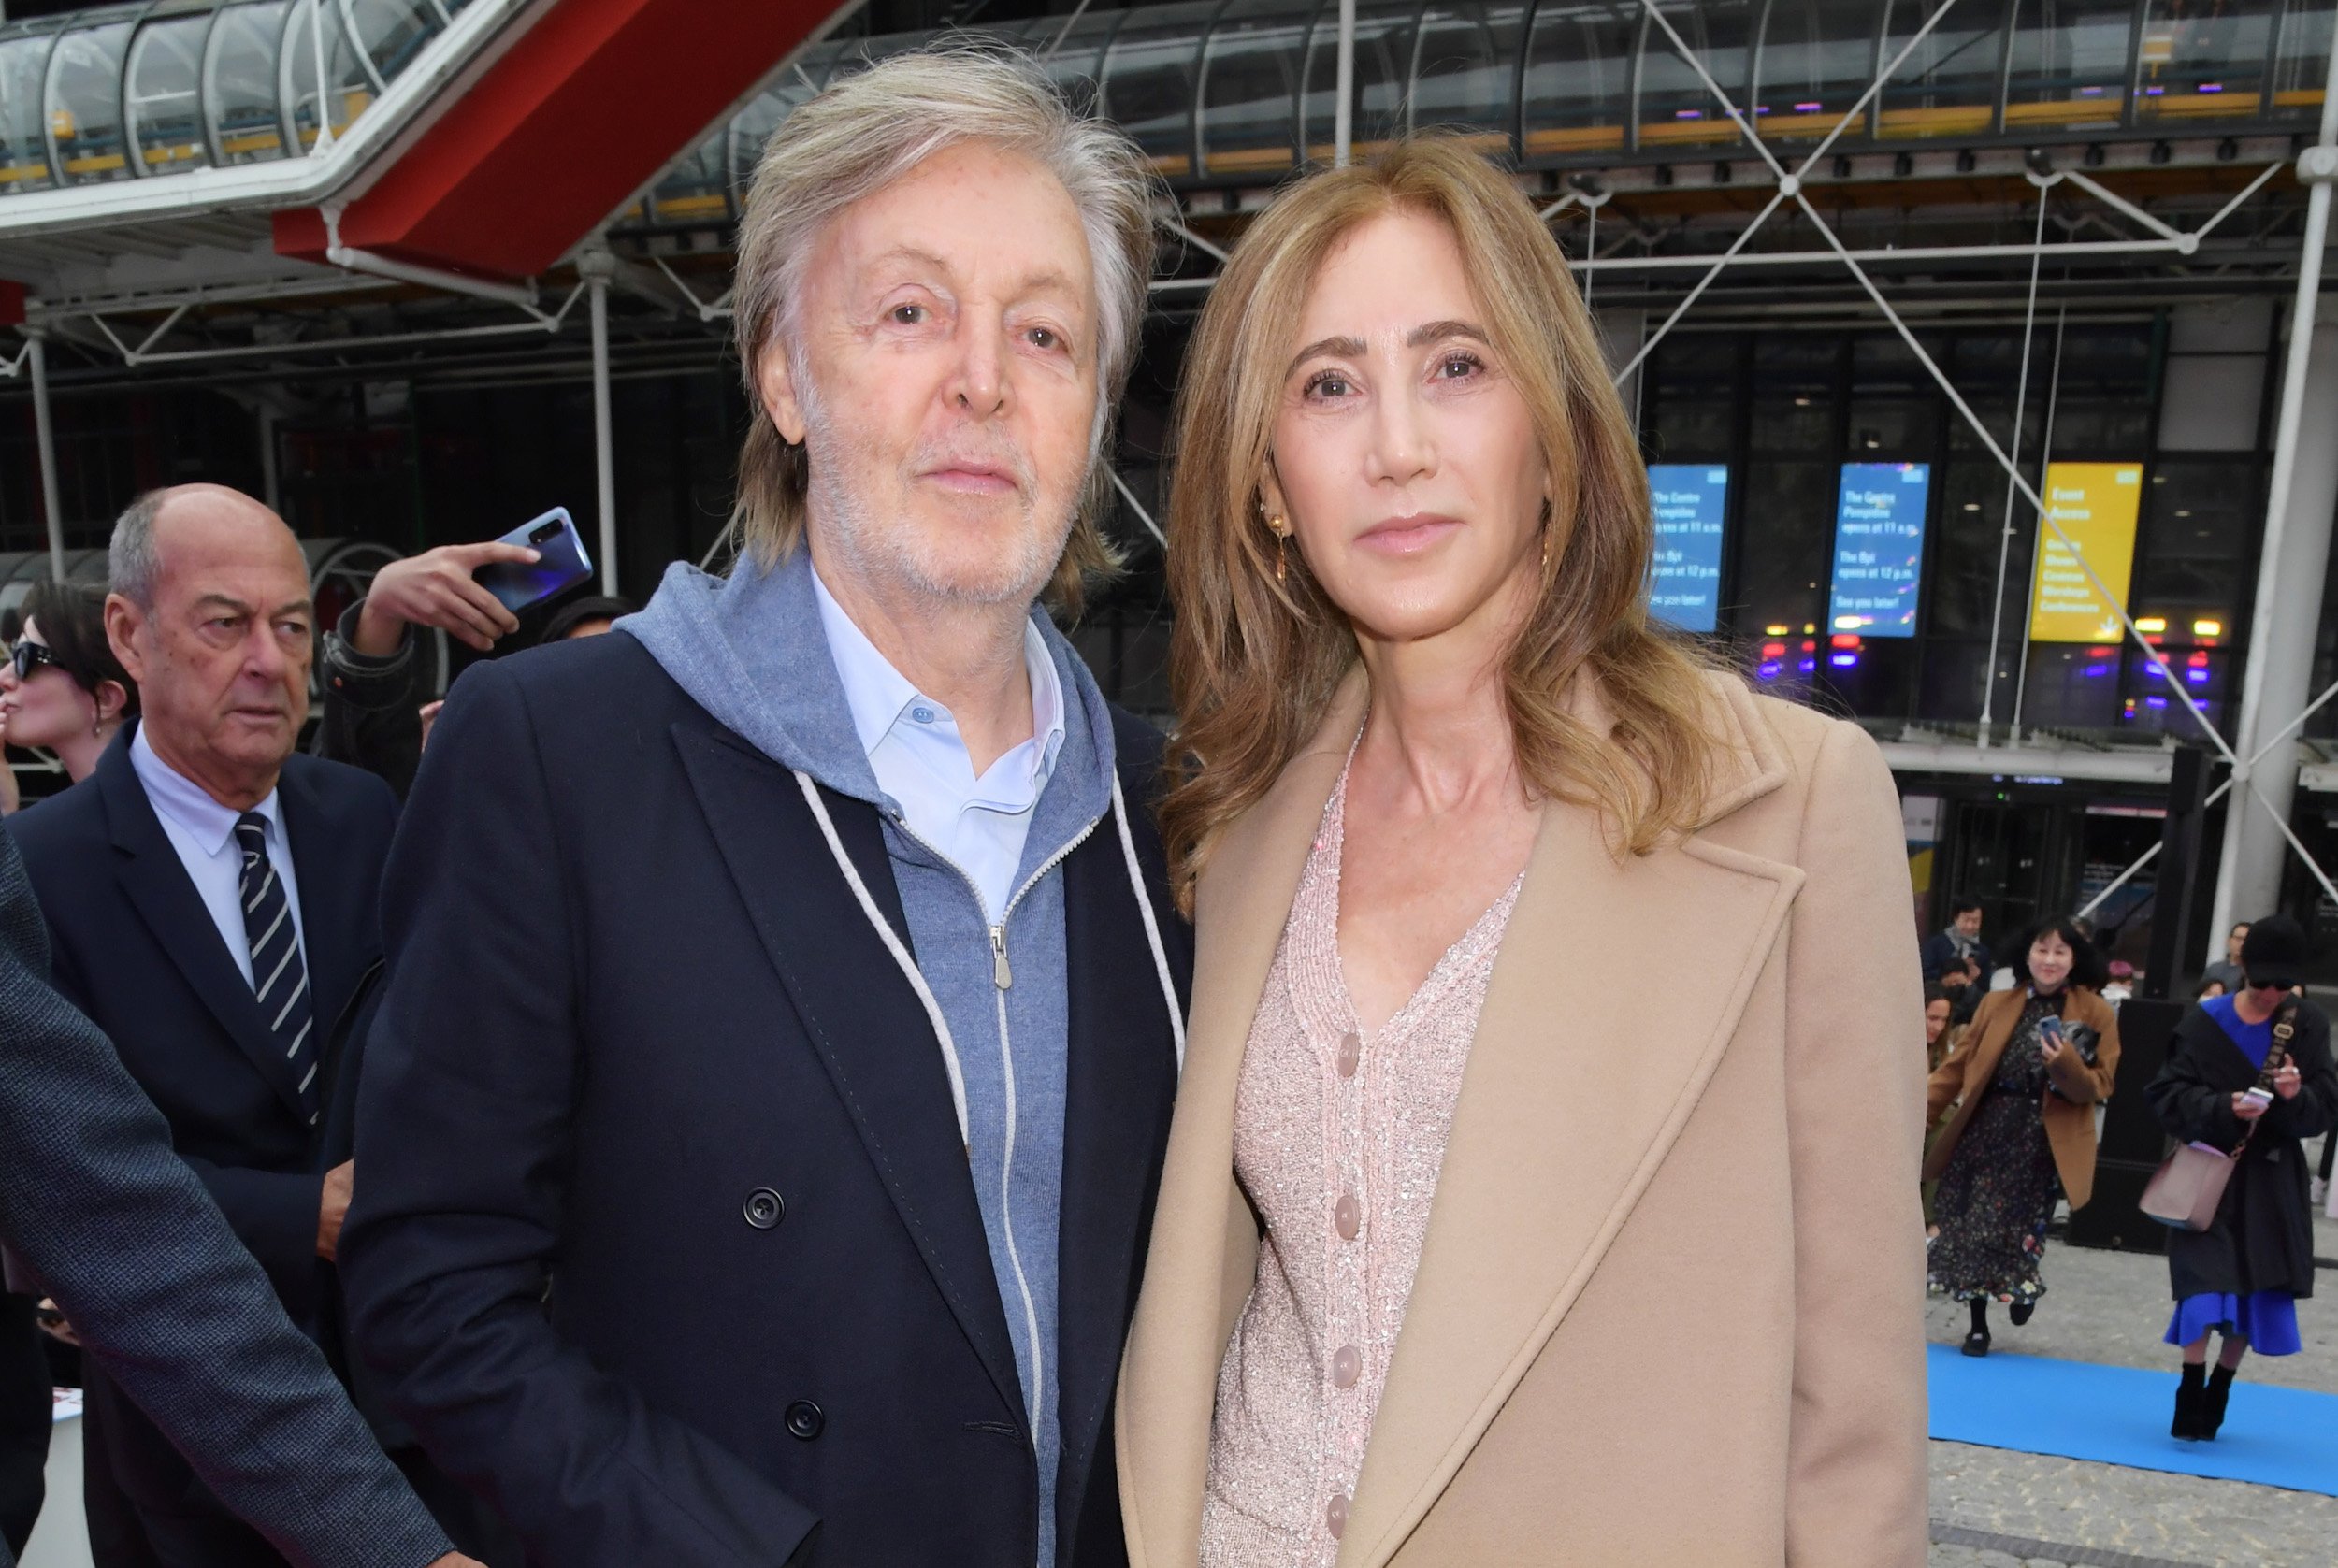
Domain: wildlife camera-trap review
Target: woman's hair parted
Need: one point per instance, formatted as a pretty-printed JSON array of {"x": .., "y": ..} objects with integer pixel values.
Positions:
[
  {"x": 870, "y": 129},
  {"x": 1254, "y": 659}
]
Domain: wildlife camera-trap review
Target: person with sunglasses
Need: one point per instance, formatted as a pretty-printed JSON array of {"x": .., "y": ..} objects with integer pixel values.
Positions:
[{"x": 62, "y": 690}]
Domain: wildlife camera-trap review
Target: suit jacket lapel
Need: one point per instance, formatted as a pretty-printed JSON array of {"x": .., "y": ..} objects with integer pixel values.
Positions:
[
  {"x": 1579, "y": 1079},
  {"x": 158, "y": 887},
  {"x": 339, "y": 937},
  {"x": 1179, "y": 1335},
  {"x": 1121, "y": 1078},
  {"x": 858, "y": 1012}
]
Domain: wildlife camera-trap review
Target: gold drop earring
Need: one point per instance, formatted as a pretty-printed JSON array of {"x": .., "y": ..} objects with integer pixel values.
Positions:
[{"x": 1279, "y": 527}]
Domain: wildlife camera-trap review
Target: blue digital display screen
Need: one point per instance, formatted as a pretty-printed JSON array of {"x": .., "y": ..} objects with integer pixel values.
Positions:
[
  {"x": 1879, "y": 549},
  {"x": 1689, "y": 502}
]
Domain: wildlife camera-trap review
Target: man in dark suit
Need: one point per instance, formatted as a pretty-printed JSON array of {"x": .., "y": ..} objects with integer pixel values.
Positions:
[
  {"x": 120, "y": 1231},
  {"x": 210, "y": 904},
  {"x": 764, "y": 1116}
]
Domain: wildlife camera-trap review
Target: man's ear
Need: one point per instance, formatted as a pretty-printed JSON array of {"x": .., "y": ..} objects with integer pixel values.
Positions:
[
  {"x": 123, "y": 623},
  {"x": 775, "y": 381}
]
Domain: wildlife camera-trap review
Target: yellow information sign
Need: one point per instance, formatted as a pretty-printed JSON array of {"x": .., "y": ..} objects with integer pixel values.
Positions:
[{"x": 2096, "y": 504}]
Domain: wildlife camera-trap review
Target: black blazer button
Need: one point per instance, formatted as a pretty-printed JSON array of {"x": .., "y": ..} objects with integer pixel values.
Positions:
[
  {"x": 805, "y": 1420},
  {"x": 764, "y": 1208}
]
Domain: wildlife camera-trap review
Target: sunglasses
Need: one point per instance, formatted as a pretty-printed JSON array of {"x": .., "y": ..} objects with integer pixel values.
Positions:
[{"x": 26, "y": 655}]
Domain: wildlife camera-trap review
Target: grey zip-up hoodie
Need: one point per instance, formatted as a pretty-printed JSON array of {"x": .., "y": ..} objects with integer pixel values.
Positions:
[{"x": 749, "y": 648}]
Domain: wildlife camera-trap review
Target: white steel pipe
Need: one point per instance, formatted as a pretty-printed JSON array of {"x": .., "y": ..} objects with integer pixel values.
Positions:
[
  {"x": 45, "y": 433},
  {"x": 604, "y": 456}
]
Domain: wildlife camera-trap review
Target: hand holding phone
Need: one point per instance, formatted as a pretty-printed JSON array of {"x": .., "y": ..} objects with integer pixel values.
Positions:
[{"x": 561, "y": 562}]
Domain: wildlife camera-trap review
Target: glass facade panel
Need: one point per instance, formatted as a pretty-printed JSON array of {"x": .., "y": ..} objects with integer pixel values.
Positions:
[
  {"x": 1676, "y": 107},
  {"x": 164, "y": 107},
  {"x": 1948, "y": 86},
  {"x": 1465, "y": 71},
  {"x": 2069, "y": 65},
  {"x": 1149, "y": 76},
  {"x": 2202, "y": 61},
  {"x": 1078, "y": 59},
  {"x": 753, "y": 126},
  {"x": 1817, "y": 57},
  {"x": 348, "y": 90},
  {"x": 23, "y": 146},
  {"x": 392, "y": 32},
  {"x": 1384, "y": 35},
  {"x": 240, "y": 83},
  {"x": 84, "y": 103},
  {"x": 697, "y": 189},
  {"x": 1579, "y": 79},
  {"x": 1250, "y": 77},
  {"x": 2301, "y": 65}
]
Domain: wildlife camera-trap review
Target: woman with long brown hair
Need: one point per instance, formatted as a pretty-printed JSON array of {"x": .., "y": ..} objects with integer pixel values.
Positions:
[{"x": 1540, "y": 1188}]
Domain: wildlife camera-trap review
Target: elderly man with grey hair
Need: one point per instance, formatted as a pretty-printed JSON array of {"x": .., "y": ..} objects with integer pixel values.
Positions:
[{"x": 784, "y": 1008}]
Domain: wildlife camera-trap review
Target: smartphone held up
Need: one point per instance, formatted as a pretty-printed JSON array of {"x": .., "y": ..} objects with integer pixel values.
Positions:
[{"x": 561, "y": 562}]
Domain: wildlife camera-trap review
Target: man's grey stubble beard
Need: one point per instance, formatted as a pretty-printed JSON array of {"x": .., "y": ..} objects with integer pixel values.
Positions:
[{"x": 880, "y": 553}]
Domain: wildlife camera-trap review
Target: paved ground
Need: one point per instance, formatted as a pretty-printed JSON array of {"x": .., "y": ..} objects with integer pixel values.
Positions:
[{"x": 1995, "y": 1509}]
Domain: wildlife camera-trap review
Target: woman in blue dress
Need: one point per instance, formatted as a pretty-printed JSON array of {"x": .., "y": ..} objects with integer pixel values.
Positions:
[{"x": 2243, "y": 1275}]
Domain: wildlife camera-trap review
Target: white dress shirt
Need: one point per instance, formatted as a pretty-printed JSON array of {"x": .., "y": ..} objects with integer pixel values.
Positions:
[
  {"x": 203, "y": 832},
  {"x": 922, "y": 764}
]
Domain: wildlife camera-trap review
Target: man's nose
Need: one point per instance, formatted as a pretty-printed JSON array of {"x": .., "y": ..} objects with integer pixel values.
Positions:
[{"x": 978, "y": 382}]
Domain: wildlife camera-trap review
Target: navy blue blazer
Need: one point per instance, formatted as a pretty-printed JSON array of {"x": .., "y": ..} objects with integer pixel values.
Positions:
[
  {"x": 134, "y": 948},
  {"x": 120, "y": 1233},
  {"x": 666, "y": 1241}
]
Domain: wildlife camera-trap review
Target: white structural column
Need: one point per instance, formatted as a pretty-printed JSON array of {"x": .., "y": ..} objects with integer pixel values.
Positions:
[
  {"x": 597, "y": 266},
  {"x": 2290, "y": 564},
  {"x": 2282, "y": 629},
  {"x": 45, "y": 433},
  {"x": 1344, "y": 89}
]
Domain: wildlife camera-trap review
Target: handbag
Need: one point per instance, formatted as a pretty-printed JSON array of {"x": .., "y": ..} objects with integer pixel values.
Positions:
[{"x": 2189, "y": 1184}]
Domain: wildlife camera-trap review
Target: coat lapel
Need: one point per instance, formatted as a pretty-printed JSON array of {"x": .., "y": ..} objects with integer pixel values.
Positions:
[
  {"x": 158, "y": 887},
  {"x": 1198, "y": 1268},
  {"x": 339, "y": 937},
  {"x": 862, "y": 1018},
  {"x": 1584, "y": 1068},
  {"x": 1121, "y": 1078}
]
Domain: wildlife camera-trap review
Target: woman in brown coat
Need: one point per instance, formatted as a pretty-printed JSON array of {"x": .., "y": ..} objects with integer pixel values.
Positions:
[
  {"x": 2024, "y": 1081},
  {"x": 1537, "y": 1192}
]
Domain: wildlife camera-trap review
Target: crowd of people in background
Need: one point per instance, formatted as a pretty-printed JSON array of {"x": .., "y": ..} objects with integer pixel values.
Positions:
[{"x": 2018, "y": 1075}]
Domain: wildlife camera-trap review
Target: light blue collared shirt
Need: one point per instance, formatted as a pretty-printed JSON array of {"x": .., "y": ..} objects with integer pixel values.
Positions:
[
  {"x": 922, "y": 763},
  {"x": 203, "y": 832}
]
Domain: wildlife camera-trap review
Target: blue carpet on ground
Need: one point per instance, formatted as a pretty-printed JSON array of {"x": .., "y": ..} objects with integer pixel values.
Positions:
[{"x": 2274, "y": 1437}]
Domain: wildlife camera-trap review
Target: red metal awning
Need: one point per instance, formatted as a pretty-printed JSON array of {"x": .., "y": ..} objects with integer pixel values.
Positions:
[{"x": 573, "y": 118}]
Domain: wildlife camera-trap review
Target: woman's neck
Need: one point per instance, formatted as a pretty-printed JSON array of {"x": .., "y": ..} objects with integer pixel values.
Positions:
[
  {"x": 80, "y": 754},
  {"x": 1439, "y": 721},
  {"x": 1439, "y": 713}
]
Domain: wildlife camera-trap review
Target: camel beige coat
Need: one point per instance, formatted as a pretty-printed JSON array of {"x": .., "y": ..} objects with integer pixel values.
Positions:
[
  {"x": 2069, "y": 1116},
  {"x": 1670, "y": 1307}
]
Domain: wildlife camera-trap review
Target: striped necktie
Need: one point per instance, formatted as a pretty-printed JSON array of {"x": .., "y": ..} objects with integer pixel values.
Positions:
[{"x": 279, "y": 980}]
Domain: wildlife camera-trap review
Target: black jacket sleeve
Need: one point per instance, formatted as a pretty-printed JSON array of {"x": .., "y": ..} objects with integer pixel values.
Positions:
[
  {"x": 116, "y": 1229},
  {"x": 473, "y": 1069},
  {"x": 2192, "y": 1105},
  {"x": 2315, "y": 1110},
  {"x": 372, "y": 715}
]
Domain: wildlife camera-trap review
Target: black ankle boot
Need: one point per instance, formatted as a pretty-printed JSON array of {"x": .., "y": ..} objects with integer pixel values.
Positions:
[
  {"x": 1977, "y": 1341},
  {"x": 2189, "y": 1391},
  {"x": 2021, "y": 1311},
  {"x": 2211, "y": 1402}
]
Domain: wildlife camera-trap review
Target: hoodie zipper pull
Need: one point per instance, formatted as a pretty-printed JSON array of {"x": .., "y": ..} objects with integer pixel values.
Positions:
[{"x": 1001, "y": 976}]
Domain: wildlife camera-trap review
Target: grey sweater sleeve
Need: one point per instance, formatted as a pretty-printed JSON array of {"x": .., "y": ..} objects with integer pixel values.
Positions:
[{"x": 119, "y": 1231}]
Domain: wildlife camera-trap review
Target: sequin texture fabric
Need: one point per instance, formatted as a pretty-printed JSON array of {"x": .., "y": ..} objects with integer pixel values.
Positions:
[{"x": 1338, "y": 1140}]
